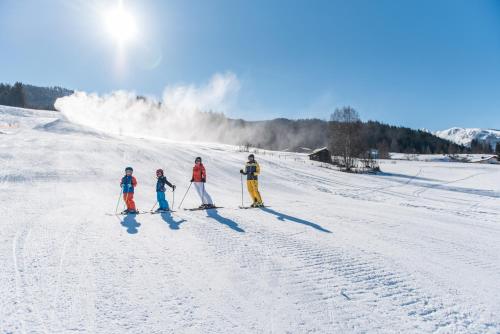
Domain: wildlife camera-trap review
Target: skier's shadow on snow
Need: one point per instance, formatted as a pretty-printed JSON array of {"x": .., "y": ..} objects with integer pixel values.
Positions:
[
  {"x": 214, "y": 214},
  {"x": 167, "y": 218},
  {"x": 131, "y": 224},
  {"x": 283, "y": 217}
]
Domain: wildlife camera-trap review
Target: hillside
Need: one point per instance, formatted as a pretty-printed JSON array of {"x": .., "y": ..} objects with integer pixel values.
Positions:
[{"x": 334, "y": 252}]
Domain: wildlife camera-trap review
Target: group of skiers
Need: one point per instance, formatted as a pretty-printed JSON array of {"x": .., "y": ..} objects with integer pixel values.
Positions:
[{"x": 198, "y": 179}]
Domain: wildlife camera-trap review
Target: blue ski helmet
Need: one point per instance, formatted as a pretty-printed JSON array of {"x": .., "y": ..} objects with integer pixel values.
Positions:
[{"x": 129, "y": 169}]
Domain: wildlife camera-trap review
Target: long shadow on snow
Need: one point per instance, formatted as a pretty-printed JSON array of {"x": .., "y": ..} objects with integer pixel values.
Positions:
[
  {"x": 283, "y": 217},
  {"x": 167, "y": 218},
  {"x": 212, "y": 213},
  {"x": 131, "y": 224},
  {"x": 406, "y": 178},
  {"x": 470, "y": 191}
]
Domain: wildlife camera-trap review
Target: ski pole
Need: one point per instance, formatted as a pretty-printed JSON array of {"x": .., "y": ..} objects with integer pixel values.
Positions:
[
  {"x": 203, "y": 198},
  {"x": 241, "y": 189},
  {"x": 154, "y": 206},
  {"x": 119, "y": 197},
  {"x": 185, "y": 194},
  {"x": 173, "y": 198}
]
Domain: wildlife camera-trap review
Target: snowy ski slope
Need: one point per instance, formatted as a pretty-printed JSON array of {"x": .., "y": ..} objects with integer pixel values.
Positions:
[{"x": 415, "y": 249}]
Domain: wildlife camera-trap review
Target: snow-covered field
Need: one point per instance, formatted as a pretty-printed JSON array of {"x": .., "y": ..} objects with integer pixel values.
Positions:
[
  {"x": 415, "y": 249},
  {"x": 469, "y": 158}
]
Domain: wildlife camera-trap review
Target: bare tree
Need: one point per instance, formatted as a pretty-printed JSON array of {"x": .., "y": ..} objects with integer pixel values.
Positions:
[{"x": 345, "y": 127}]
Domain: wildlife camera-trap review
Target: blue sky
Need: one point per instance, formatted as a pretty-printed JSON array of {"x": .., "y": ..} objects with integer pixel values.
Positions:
[{"x": 422, "y": 64}]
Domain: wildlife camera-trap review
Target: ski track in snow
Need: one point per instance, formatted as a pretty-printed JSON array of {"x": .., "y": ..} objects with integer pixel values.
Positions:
[{"x": 411, "y": 250}]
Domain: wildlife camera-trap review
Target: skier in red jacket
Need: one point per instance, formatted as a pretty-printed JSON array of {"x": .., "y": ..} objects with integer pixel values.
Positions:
[
  {"x": 199, "y": 178},
  {"x": 128, "y": 184}
]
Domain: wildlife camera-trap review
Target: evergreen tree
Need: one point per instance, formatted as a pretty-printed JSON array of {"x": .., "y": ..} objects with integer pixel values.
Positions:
[{"x": 17, "y": 98}]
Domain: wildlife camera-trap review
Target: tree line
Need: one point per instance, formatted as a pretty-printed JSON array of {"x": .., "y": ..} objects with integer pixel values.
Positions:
[
  {"x": 344, "y": 131},
  {"x": 12, "y": 95},
  {"x": 29, "y": 96}
]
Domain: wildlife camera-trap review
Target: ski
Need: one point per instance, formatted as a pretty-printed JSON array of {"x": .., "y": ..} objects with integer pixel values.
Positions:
[
  {"x": 157, "y": 212},
  {"x": 252, "y": 207},
  {"x": 126, "y": 213},
  {"x": 199, "y": 209}
]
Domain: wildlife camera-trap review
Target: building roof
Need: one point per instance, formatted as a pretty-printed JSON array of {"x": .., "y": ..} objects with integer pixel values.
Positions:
[
  {"x": 318, "y": 150},
  {"x": 485, "y": 158}
]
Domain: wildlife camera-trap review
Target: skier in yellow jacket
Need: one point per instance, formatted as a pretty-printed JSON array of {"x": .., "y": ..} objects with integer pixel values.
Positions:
[{"x": 252, "y": 170}]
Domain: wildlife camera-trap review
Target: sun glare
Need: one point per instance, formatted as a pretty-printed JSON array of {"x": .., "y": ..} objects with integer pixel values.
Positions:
[{"x": 120, "y": 24}]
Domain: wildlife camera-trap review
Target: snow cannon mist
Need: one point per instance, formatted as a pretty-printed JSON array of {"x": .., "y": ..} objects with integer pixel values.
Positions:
[{"x": 176, "y": 117}]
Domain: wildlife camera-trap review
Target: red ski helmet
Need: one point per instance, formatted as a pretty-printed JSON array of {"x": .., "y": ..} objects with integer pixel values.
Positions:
[{"x": 159, "y": 171}]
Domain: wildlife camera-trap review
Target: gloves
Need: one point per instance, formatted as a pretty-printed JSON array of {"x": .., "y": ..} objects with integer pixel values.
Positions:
[
  {"x": 203, "y": 180},
  {"x": 173, "y": 187},
  {"x": 241, "y": 171},
  {"x": 192, "y": 180}
]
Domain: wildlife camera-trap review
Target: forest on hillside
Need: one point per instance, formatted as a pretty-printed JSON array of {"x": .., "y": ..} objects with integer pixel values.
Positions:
[
  {"x": 29, "y": 96},
  {"x": 304, "y": 134}
]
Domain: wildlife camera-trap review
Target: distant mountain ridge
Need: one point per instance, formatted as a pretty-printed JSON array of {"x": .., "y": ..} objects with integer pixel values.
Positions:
[{"x": 465, "y": 136}]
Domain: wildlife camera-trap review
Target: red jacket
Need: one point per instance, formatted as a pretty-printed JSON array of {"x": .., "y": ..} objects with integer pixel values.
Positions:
[{"x": 199, "y": 173}]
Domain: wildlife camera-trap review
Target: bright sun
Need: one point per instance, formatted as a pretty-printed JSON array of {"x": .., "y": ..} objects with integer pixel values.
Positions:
[{"x": 120, "y": 24}]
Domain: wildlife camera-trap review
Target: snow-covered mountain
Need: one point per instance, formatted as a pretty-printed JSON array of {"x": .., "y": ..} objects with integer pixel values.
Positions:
[
  {"x": 413, "y": 249},
  {"x": 464, "y": 136}
]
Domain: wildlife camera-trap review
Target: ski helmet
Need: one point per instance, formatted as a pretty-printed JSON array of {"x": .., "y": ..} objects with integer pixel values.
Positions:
[
  {"x": 159, "y": 171},
  {"x": 251, "y": 156},
  {"x": 129, "y": 169},
  {"x": 197, "y": 159}
]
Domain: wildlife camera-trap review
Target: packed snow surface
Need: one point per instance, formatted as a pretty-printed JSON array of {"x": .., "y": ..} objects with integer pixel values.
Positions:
[{"x": 414, "y": 249}]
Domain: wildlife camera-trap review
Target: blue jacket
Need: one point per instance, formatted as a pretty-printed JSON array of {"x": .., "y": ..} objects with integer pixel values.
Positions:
[
  {"x": 252, "y": 170},
  {"x": 160, "y": 184},
  {"x": 128, "y": 184}
]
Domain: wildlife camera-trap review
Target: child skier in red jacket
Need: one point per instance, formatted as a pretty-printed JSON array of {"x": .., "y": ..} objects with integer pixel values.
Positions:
[{"x": 128, "y": 183}]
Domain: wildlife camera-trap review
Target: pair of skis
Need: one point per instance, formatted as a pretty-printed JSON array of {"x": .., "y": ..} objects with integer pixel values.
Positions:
[
  {"x": 252, "y": 207},
  {"x": 220, "y": 207},
  {"x": 209, "y": 208},
  {"x": 139, "y": 213}
]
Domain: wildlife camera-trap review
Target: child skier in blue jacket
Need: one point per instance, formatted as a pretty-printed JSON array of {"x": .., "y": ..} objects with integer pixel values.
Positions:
[{"x": 160, "y": 190}]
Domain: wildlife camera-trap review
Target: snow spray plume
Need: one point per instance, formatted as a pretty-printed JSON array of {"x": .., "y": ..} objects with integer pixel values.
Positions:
[
  {"x": 176, "y": 117},
  {"x": 181, "y": 116}
]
